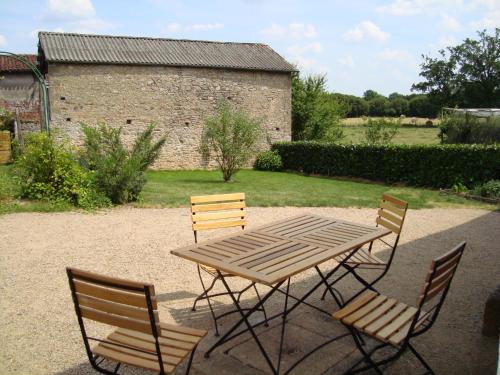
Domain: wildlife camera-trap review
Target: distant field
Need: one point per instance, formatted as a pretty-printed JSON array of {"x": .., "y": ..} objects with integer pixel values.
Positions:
[
  {"x": 354, "y": 131},
  {"x": 404, "y": 121}
]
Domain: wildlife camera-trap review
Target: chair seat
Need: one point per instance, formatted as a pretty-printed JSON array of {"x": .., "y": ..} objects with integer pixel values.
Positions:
[
  {"x": 175, "y": 344},
  {"x": 380, "y": 317},
  {"x": 213, "y": 271},
  {"x": 363, "y": 259}
]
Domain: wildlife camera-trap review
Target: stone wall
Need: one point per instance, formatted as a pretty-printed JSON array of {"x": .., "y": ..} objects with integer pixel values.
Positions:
[{"x": 176, "y": 99}]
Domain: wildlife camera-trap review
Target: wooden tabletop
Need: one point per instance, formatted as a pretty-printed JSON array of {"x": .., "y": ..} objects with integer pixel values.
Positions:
[{"x": 279, "y": 250}]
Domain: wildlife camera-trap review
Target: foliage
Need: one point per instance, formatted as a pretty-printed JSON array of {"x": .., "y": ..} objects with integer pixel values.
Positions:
[
  {"x": 459, "y": 128},
  {"x": 268, "y": 161},
  {"x": 380, "y": 131},
  {"x": 416, "y": 165},
  {"x": 231, "y": 137},
  {"x": 490, "y": 189},
  {"x": 6, "y": 120},
  {"x": 47, "y": 170},
  {"x": 117, "y": 172},
  {"x": 466, "y": 75},
  {"x": 316, "y": 114}
]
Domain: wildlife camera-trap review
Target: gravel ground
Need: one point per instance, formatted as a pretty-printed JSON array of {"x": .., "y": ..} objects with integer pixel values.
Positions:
[{"x": 39, "y": 333}]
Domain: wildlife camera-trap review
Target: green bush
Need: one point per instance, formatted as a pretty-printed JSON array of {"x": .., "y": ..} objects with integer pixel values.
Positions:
[
  {"x": 268, "y": 161},
  {"x": 458, "y": 128},
  {"x": 6, "y": 120},
  {"x": 490, "y": 189},
  {"x": 417, "y": 165},
  {"x": 48, "y": 170},
  {"x": 380, "y": 131},
  {"x": 118, "y": 173},
  {"x": 231, "y": 137}
]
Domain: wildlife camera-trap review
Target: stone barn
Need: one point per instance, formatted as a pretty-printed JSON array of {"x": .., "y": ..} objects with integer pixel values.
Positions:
[{"x": 129, "y": 82}]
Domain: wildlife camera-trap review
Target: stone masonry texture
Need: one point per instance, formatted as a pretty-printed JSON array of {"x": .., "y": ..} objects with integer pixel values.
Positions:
[{"x": 176, "y": 99}]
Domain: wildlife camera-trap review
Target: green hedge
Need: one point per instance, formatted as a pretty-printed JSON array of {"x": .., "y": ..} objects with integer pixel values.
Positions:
[{"x": 417, "y": 165}]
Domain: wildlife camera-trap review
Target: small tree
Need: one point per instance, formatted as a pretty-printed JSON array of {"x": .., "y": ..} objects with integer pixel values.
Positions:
[
  {"x": 119, "y": 173},
  {"x": 380, "y": 131},
  {"x": 231, "y": 137}
]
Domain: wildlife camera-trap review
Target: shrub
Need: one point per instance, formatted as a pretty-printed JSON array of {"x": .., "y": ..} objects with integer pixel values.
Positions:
[
  {"x": 6, "y": 120},
  {"x": 268, "y": 161},
  {"x": 457, "y": 128},
  {"x": 117, "y": 172},
  {"x": 490, "y": 189},
  {"x": 230, "y": 136},
  {"x": 48, "y": 170},
  {"x": 417, "y": 165},
  {"x": 380, "y": 131}
]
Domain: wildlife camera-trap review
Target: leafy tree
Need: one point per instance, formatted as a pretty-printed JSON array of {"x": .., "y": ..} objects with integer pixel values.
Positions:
[
  {"x": 315, "y": 113},
  {"x": 378, "y": 106},
  {"x": 231, "y": 137},
  {"x": 465, "y": 75},
  {"x": 399, "y": 105},
  {"x": 370, "y": 95},
  {"x": 422, "y": 106}
]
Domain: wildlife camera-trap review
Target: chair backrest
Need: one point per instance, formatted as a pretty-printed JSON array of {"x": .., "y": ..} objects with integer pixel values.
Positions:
[
  {"x": 392, "y": 213},
  {"x": 441, "y": 273},
  {"x": 116, "y": 302},
  {"x": 218, "y": 211}
]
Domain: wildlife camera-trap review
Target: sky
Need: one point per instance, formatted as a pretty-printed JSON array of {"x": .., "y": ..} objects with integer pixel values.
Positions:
[{"x": 358, "y": 44}]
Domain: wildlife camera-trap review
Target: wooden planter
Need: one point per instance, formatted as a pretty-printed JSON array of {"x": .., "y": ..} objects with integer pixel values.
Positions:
[{"x": 5, "y": 148}]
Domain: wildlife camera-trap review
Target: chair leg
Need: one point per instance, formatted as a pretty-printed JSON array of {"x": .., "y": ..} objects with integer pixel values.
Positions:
[
  {"x": 333, "y": 283},
  {"x": 421, "y": 359},
  {"x": 208, "y": 299},
  {"x": 204, "y": 295},
  {"x": 116, "y": 368},
  {"x": 366, "y": 357},
  {"x": 266, "y": 324},
  {"x": 188, "y": 368}
]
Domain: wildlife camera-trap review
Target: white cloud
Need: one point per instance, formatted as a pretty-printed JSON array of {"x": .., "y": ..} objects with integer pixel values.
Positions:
[
  {"x": 443, "y": 42},
  {"x": 345, "y": 60},
  {"x": 34, "y": 33},
  {"x": 450, "y": 23},
  {"x": 91, "y": 26},
  {"x": 175, "y": 27},
  {"x": 3, "y": 41},
  {"x": 71, "y": 8},
  {"x": 206, "y": 26},
  {"x": 294, "y": 30},
  {"x": 297, "y": 50},
  {"x": 489, "y": 21},
  {"x": 395, "y": 55},
  {"x": 414, "y": 7},
  {"x": 310, "y": 65},
  {"x": 366, "y": 30}
]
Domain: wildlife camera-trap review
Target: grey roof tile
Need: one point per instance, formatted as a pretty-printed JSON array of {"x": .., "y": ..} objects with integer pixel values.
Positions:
[{"x": 104, "y": 49}]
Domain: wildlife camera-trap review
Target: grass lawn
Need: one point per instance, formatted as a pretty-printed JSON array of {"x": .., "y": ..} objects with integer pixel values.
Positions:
[
  {"x": 173, "y": 188},
  {"x": 265, "y": 189}
]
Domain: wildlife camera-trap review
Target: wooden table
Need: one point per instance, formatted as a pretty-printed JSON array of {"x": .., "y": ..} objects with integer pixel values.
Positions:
[{"x": 273, "y": 253}]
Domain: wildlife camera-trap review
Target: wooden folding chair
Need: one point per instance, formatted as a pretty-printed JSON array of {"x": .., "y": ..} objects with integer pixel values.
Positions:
[
  {"x": 394, "y": 323},
  {"x": 141, "y": 340},
  {"x": 216, "y": 212},
  {"x": 391, "y": 215}
]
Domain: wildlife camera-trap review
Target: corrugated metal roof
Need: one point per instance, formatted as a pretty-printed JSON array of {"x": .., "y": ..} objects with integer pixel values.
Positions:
[
  {"x": 104, "y": 49},
  {"x": 10, "y": 64}
]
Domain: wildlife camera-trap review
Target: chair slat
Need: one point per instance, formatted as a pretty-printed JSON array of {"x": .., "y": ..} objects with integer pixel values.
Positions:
[
  {"x": 366, "y": 309},
  {"x": 219, "y": 215},
  {"x": 115, "y": 308},
  {"x": 388, "y": 225},
  {"x": 217, "y": 198},
  {"x": 398, "y": 202},
  {"x": 219, "y": 224},
  {"x": 354, "y": 305},
  {"x": 103, "y": 280},
  {"x": 113, "y": 295},
  {"x": 116, "y": 320},
  {"x": 397, "y": 323},
  {"x": 392, "y": 208},
  {"x": 145, "y": 345},
  {"x": 217, "y": 206},
  {"x": 387, "y": 215},
  {"x": 128, "y": 359}
]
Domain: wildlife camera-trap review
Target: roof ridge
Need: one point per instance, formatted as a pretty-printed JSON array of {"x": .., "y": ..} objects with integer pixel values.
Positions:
[{"x": 149, "y": 38}]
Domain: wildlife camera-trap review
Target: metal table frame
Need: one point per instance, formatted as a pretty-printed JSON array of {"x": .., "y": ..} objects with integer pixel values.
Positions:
[{"x": 309, "y": 234}]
